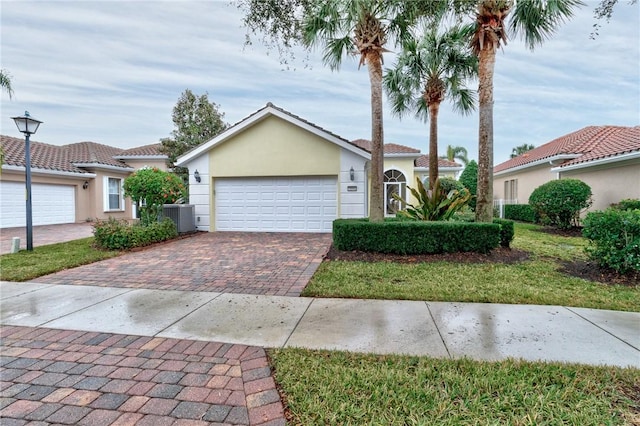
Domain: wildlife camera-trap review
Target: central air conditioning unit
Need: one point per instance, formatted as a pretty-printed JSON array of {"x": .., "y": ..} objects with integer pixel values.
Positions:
[{"x": 183, "y": 215}]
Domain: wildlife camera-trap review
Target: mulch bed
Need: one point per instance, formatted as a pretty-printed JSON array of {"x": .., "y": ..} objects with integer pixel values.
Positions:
[{"x": 581, "y": 269}]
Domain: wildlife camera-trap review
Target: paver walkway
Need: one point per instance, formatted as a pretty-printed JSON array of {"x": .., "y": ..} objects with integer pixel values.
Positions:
[
  {"x": 224, "y": 262},
  {"x": 86, "y": 378}
]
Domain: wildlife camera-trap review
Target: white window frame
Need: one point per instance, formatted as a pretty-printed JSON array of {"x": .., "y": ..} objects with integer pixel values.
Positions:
[
  {"x": 396, "y": 181},
  {"x": 106, "y": 194}
]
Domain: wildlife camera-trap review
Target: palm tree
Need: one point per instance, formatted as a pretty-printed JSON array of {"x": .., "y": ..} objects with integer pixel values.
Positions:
[
  {"x": 427, "y": 71},
  {"x": 366, "y": 28},
  {"x": 5, "y": 82},
  {"x": 535, "y": 21},
  {"x": 456, "y": 153},
  {"x": 521, "y": 149}
]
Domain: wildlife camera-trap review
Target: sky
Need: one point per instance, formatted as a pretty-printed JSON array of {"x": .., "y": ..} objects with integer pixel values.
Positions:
[{"x": 112, "y": 71}]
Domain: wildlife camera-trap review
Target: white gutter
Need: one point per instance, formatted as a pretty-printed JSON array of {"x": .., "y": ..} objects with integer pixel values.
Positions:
[
  {"x": 104, "y": 166},
  {"x": 600, "y": 161},
  {"x": 548, "y": 160},
  {"x": 403, "y": 155},
  {"x": 48, "y": 172},
  {"x": 141, "y": 157}
]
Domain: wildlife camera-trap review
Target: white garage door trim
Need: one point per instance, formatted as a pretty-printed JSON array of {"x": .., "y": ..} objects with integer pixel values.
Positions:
[
  {"x": 50, "y": 204},
  {"x": 279, "y": 204}
]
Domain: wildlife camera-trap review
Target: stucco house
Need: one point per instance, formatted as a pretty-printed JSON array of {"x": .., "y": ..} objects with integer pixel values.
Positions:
[
  {"x": 70, "y": 183},
  {"x": 607, "y": 158},
  {"x": 274, "y": 171}
]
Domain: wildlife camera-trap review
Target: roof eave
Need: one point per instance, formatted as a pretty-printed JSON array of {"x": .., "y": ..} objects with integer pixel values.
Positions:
[
  {"x": 38, "y": 171},
  {"x": 600, "y": 161},
  {"x": 103, "y": 167},
  {"x": 549, "y": 160},
  {"x": 141, "y": 157},
  {"x": 403, "y": 155}
]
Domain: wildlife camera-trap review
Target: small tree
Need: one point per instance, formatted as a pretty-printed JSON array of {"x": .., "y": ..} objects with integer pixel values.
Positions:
[
  {"x": 196, "y": 121},
  {"x": 469, "y": 178},
  {"x": 150, "y": 188},
  {"x": 559, "y": 202}
]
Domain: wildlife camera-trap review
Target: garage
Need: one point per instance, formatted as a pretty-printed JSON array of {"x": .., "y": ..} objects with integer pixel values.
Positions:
[
  {"x": 51, "y": 204},
  {"x": 278, "y": 204}
]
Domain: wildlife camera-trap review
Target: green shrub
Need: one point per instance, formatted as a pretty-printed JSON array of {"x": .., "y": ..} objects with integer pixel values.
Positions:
[
  {"x": 469, "y": 178},
  {"x": 520, "y": 212},
  {"x": 627, "y": 204},
  {"x": 434, "y": 204},
  {"x": 614, "y": 239},
  {"x": 507, "y": 231},
  {"x": 150, "y": 188},
  {"x": 414, "y": 237},
  {"x": 448, "y": 184},
  {"x": 466, "y": 214},
  {"x": 559, "y": 202},
  {"x": 115, "y": 234}
]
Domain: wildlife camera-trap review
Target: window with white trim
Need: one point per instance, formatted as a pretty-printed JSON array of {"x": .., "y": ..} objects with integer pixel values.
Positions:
[
  {"x": 113, "y": 194},
  {"x": 394, "y": 183}
]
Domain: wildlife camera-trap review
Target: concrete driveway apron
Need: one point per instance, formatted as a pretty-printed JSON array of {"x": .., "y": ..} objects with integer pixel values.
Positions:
[{"x": 226, "y": 262}]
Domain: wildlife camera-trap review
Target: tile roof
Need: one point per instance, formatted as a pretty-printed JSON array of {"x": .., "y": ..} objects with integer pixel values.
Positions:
[
  {"x": 584, "y": 145},
  {"x": 423, "y": 161},
  {"x": 151, "y": 150},
  {"x": 389, "y": 148},
  {"x": 65, "y": 157}
]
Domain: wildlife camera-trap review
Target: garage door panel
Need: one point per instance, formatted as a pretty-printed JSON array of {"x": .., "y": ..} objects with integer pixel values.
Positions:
[
  {"x": 43, "y": 197},
  {"x": 298, "y": 204}
]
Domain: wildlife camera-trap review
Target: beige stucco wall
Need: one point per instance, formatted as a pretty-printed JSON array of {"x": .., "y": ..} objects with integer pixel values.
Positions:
[
  {"x": 528, "y": 180},
  {"x": 267, "y": 149},
  {"x": 138, "y": 164},
  {"x": 609, "y": 183},
  {"x": 406, "y": 166}
]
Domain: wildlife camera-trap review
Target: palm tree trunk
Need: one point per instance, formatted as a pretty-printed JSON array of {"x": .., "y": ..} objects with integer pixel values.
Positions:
[
  {"x": 484, "y": 203},
  {"x": 433, "y": 143},
  {"x": 374, "y": 64}
]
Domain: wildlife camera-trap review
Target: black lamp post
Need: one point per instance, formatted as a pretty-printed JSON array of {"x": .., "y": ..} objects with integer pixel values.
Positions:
[{"x": 28, "y": 125}]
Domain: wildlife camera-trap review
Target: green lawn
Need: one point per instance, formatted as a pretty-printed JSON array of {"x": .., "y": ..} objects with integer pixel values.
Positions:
[
  {"x": 341, "y": 388},
  {"x": 534, "y": 281},
  {"x": 43, "y": 260}
]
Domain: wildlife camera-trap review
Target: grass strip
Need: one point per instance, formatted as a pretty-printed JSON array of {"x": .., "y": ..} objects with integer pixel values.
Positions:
[
  {"x": 531, "y": 282},
  {"x": 322, "y": 387},
  {"x": 43, "y": 260}
]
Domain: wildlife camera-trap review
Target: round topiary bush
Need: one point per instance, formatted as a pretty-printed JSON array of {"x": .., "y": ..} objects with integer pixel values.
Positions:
[
  {"x": 559, "y": 202},
  {"x": 448, "y": 184}
]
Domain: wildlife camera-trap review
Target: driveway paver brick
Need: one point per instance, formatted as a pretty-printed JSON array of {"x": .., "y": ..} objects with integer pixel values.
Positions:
[
  {"x": 277, "y": 264},
  {"x": 188, "y": 383}
]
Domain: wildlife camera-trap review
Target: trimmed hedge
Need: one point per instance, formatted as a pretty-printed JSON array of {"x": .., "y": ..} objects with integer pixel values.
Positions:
[
  {"x": 627, "y": 204},
  {"x": 115, "y": 234},
  {"x": 415, "y": 237},
  {"x": 520, "y": 212},
  {"x": 507, "y": 231},
  {"x": 614, "y": 237}
]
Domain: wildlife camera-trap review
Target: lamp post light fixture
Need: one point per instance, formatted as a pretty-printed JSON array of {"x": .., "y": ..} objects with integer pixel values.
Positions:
[{"x": 28, "y": 125}]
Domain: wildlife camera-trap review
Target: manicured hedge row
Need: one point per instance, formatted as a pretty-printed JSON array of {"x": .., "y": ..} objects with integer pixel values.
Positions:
[
  {"x": 416, "y": 237},
  {"x": 614, "y": 239},
  {"x": 520, "y": 212},
  {"x": 507, "y": 231},
  {"x": 115, "y": 234}
]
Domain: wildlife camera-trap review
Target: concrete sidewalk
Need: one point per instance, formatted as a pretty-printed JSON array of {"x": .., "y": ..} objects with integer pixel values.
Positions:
[{"x": 437, "y": 329}]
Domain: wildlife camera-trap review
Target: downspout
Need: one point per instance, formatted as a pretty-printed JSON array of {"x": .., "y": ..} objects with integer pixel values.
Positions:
[{"x": 367, "y": 166}]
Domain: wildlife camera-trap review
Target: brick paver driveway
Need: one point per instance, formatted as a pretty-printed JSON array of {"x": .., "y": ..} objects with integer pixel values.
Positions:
[
  {"x": 80, "y": 378},
  {"x": 235, "y": 262}
]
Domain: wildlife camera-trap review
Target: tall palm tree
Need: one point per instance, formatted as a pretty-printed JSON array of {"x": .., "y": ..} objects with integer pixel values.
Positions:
[
  {"x": 456, "y": 153},
  {"x": 534, "y": 20},
  {"x": 366, "y": 27},
  {"x": 427, "y": 71},
  {"x": 521, "y": 149}
]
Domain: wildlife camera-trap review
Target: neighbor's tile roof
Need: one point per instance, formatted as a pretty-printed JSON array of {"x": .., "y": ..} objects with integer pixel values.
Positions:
[
  {"x": 588, "y": 144},
  {"x": 63, "y": 158},
  {"x": 142, "y": 151},
  {"x": 423, "y": 161},
  {"x": 389, "y": 148}
]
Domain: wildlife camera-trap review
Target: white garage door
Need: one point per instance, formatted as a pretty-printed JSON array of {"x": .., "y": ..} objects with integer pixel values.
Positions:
[
  {"x": 50, "y": 204},
  {"x": 292, "y": 204}
]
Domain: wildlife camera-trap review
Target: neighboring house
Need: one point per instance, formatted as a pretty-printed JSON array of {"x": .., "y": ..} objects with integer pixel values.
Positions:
[
  {"x": 607, "y": 158},
  {"x": 70, "y": 183},
  {"x": 274, "y": 171}
]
